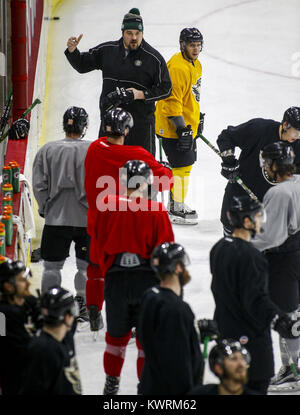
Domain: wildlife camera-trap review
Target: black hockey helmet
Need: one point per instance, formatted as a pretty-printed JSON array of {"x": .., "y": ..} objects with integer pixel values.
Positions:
[
  {"x": 292, "y": 117},
  {"x": 191, "y": 34},
  {"x": 134, "y": 172},
  {"x": 226, "y": 348},
  {"x": 166, "y": 256},
  {"x": 9, "y": 269},
  {"x": 56, "y": 302},
  {"x": 281, "y": 152},
  {"x": 242, "y": 207},
  {"x": 75, "y": 121},
  {"x": 118, "y": 120}
]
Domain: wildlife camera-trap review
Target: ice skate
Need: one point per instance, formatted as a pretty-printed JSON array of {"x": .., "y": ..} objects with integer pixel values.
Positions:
[
  {"x": 83, "y": 317},
  {"x": 96, "y": 320},
  {"x": 111, "y": 386},
  {"x": 285, "y": 381},
  {"x": 181, "y": 214}
]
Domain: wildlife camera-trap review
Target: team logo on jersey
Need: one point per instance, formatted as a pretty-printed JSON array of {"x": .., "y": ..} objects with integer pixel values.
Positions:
[
  {"x": 244, "y": 340},
  {"x": 72, "y": 374},
  {"x": 138, "y": 62},
  {"x": 196, "y": 89}
]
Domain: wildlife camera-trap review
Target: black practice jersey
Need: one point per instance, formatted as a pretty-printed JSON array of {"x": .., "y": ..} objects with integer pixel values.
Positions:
[
  {"x": 213, "y": 389},
  {"x": 144, "y": 69},
  {"x": 52, "y": 367},
  {"x": 243, "y": 310},
  {"x": 21, "y": 325},
  {"x": 251, "y": 137},
  {"x": 166, "y": 330}
]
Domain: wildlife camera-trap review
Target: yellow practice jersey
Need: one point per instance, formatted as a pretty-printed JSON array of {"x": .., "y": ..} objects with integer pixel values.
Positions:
[{"x": 185, "y": 97}]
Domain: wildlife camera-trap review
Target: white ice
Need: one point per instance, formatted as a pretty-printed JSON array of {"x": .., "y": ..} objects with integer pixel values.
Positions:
[{"x": 251, "y": 69}]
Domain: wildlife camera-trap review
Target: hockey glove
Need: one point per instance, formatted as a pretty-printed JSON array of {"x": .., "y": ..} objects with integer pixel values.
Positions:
[
  {"x": 208, "y": 328},
  {"x": 19, "y": 129},
  {"x": 165, "y": 164},
  {"x": 230, "y": 168},
  {"x": 285, "y": 326},
  {"x": 185, "y": 138},
  {"x": 118, "y": 97},
  {"x": 201, "y": 123}
]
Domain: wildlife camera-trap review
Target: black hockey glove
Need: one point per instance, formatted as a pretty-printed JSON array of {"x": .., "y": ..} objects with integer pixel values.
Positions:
[
  {"x": 285, "y": 326},
  {"x": 166, "y": 164},
  {"x": 208, "y": 328},
  {"x": 230, "y": 168},
  {"x": 118, "y": 97},
  {"x": 185, "y": 138},
  {"x": 201, "y": 123},
  {"x": 19, "y": 129}
]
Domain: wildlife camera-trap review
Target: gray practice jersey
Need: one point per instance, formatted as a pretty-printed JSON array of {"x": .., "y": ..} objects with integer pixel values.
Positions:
[
  {"x": 58, "y": 182},
  {"x": 282, "y": 205}
]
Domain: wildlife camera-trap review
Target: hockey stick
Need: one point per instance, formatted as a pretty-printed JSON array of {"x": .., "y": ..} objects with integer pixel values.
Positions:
[
  {"x": 35, "y": 102},
  {"x": 291, "y": 362},
  {"x": 4, "y": 118},
  {"x": 238, "y": 179},
  {"x": 205, "y": 354}
]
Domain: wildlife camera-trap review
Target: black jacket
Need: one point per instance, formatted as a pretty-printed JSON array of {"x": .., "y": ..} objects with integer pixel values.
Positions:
[
  {"x": 51, "y": 367},
  {"x": 251, "y": 137},
  {"x": 244, "y": 310},
  {"x": 173, "y": 360},
  {"x": 21, "y": 325},
  {"x": 144, "y": 69},
  {"x": 213, "y": 389}
]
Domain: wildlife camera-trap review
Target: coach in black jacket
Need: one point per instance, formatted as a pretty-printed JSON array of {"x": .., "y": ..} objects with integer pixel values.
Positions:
[{"x": 135, "y": 75}]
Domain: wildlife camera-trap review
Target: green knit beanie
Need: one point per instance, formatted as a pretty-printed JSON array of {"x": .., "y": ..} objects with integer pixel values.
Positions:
[{"x": 133, "y": 20}]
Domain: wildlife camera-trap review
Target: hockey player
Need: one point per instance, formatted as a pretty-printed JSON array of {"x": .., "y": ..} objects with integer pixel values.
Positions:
[
  {"x": 281, "y": 245},
  {"x": 58, "y": 186},
  {"x": 127, "y": 230},
  {"x": 52, "y": 367},
  {"x": 167, "y": 329},
  {"x": 22, "y": 319},
  {"x": 135, "y": 75},
  {"x": 104, "y": 158},
  {"x": 178, "y": 121},
  {"x": 244, "y": 310},
  {"x": 229, "y": 361},
  {"x": 251, "y": 137}
]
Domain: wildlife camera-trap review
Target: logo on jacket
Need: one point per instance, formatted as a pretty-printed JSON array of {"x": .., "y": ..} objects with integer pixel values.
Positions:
[
  {"x": 244, "y": 340},
  {"x": 138, "y": 62},
  {"x": 72, "y": 374},
  {"x": 196, "y": 89}
]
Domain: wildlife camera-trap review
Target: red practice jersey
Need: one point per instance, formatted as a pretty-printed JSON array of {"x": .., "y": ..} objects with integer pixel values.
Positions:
[
  {"x": 104, "y": 160},
  {"x": 130, "y": 225}
]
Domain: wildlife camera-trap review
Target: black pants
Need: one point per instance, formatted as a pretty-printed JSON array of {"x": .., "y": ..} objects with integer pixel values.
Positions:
[
  {"x": 178, "y": 158},
  {"x": 56, "y": 242},
  {"x": 284, "y": 279},
  {"x": 123, "y": 291}
]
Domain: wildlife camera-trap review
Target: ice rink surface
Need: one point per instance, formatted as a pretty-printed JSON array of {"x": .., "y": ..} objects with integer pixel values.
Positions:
[{"x": 251, "y": 68}]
